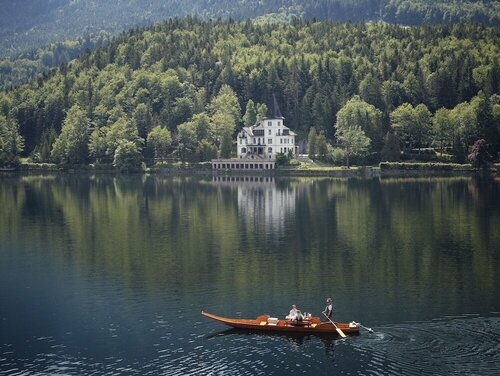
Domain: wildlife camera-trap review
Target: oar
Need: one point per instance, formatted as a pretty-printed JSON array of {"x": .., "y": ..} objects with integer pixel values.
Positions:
[
  {"x": 336, "y": 327},
  {"x": 364, "y": 327}
]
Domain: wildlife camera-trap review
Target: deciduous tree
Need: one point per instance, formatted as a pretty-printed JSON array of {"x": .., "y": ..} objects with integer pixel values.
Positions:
[
  {"x": 354, "y": 141},
  {"x": 72, "y": 144}
]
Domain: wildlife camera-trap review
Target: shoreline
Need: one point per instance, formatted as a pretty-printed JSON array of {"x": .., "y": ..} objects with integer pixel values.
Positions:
[{"x": 412, "y": 170}]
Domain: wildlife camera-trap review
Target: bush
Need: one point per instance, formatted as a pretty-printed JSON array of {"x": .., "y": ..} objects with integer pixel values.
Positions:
[
  {"x": 424, "y": 166},
  {"x": 281, "y": 159}
]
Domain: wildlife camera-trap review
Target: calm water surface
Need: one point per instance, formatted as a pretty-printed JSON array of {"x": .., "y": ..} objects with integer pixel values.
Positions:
[{"x": 108, "y": 275}]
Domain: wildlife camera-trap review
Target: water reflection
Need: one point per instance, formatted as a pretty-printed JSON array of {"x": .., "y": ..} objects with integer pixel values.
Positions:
[
  {"x": 294, "y": 342},
  {"x": 108, "y": 270},
  {"x": 262, "y": 204}
]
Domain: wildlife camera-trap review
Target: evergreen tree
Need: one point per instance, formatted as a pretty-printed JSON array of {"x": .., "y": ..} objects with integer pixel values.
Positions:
[
  {"x": 322, "y": 146},
  {"x": 391, "y": 152},
  {"x": 261, "y": 111},
  {"x": 250, "y": 116},
  {"x": 11, "y": 142},
  {"x": 312, "y": 143}
]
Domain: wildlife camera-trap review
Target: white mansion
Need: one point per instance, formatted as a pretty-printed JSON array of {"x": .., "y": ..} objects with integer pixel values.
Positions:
[{"x": 266, "y": 137}]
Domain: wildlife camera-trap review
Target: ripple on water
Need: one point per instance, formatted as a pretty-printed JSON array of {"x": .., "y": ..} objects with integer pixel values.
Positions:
[
  {"x": 453, "y": 345},
  {"x": 464, "y": 345}
]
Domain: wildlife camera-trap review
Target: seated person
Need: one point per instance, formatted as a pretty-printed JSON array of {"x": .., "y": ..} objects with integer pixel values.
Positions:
[{"x": 295, "y": 314}]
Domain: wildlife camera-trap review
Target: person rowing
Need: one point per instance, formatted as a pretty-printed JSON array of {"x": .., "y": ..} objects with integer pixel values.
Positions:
[{"x": 328, "y": 312}]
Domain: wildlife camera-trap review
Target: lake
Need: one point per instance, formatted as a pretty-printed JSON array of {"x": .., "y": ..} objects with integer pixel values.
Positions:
[{"x": 102, "y": 274}]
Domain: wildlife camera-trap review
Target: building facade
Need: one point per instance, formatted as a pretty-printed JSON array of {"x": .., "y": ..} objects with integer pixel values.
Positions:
[{"x": 267, "y": 137}]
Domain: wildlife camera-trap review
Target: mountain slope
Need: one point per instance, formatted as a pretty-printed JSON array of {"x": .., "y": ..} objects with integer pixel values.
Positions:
[
  {"x": 29, "y": 24},
  {"x": 163, "y": 75}
]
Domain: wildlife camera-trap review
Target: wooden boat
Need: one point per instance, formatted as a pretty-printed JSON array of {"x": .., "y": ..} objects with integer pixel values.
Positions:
[{"x": 312, "y": 325}]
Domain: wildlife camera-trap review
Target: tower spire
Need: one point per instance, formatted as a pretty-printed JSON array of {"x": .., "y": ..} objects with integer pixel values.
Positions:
[{"x": 273, "y": 110}]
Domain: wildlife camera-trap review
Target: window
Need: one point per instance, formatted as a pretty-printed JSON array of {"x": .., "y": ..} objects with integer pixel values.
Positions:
[
  {"x": 279, "y": 123},
  {"x": 270, "y": 132},
  {"x": 269, "y": 150},
  {"x": 281, "y": 140},
  {"x": 269, "y": 123},
  {"x": 241, "y": 141},
  {"x": 243, "y": 150},
  {"x": 269, "y": 140}
]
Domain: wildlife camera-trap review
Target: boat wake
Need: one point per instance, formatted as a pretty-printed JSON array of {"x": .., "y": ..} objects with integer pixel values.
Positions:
[{"x": 452, "y": 345}]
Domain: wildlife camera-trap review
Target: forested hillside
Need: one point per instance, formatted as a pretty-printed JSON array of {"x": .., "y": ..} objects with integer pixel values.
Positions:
[
  {"x": 38, "y": 35},
  {"x": 29, "y": 24},
  {"x": 182, "y": 87},
  {"x": 35, "y": 64}
]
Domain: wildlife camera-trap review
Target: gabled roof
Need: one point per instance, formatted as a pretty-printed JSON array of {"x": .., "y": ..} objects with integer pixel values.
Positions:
[
  {"x": 248, "y": 130},
  {"x": 273, "y": 110}
]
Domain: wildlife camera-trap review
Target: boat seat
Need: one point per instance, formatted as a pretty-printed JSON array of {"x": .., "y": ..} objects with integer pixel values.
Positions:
[
  {"x": 272, "y": 321},
  {"x": 262, "y": 323}
]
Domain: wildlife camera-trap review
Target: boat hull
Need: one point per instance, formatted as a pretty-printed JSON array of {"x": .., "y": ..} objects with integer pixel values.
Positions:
[{"x": 314, "y": 326}]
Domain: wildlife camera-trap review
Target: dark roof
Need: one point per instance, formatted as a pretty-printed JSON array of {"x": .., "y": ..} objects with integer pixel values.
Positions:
[{"x": 273, "y": 110}]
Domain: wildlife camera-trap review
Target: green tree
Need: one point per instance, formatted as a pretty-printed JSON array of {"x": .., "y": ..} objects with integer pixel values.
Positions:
[
  {"x": 223, "y": 127},
  {"x": 322, "y": 146},
  {"x": 226, "y": 102},
  {"x": 443, "y": 128},
  {"x": 159, "y": 139},
  {"x": 370, "y": 92},
  {"x": 197, "y": 137},
  {"x": 261, "y": 111},
  {"x": 226, "y": 146},
  {"x": 250, "y": 116},
  {"x": 121, "y": 130},
  {"x": 11, "y": 142},
  {"x": 312, "y": 142},
  {"x": 143, "y": 119},
  {"x": 464, "y": 118},
  {"x": 72, "y": 144},
  {"x": 354, "y": 141},
  {"x": 391, "y": 151},
  {"x": 98, "y": 145},
  {"x": 412, "y": 124},
  {"x": 358, "y": 113},
  {"x": 127, "y": 156}
]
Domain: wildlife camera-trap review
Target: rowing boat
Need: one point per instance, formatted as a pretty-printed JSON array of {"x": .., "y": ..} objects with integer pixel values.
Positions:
[{"x": 272, "y": 324}]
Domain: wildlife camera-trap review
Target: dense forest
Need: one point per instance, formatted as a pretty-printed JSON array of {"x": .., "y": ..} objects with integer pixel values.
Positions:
[
  {"x": 35, "y": 64},
  {"x": 38, "y": 35},
  {"x": 183, "y": 87},
  {"x": 29, "y": 24}
]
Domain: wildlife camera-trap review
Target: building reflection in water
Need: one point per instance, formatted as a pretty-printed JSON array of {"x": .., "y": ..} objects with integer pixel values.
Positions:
[{"x": 262, "y": 203}]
